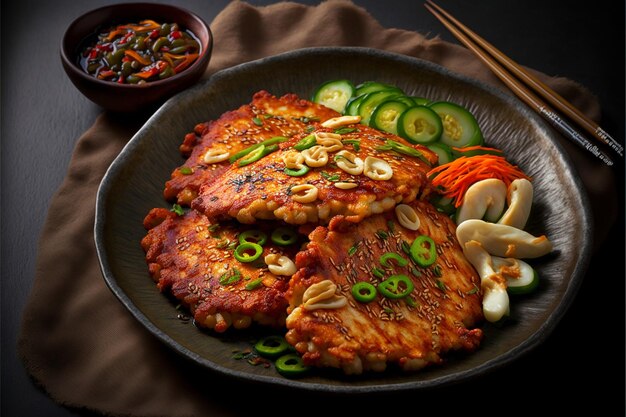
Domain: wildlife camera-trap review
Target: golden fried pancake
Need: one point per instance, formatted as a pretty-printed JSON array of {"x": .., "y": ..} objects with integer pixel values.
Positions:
[
  {"x": 194, "y": 261},
  {"x": 410, "y": 322},
  {"x": 354, "y": 171},
  {"x": 265, "y": 117}
]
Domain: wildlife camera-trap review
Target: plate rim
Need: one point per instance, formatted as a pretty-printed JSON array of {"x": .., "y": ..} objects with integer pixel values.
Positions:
[{"x": 536, "y": 339}]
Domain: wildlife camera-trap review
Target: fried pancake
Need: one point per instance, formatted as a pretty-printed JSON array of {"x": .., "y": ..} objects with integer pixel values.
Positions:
[
  {"x": 263, "y": 190},
  {"x": 265, "y": 117},
  {"x": 437, "y": 316},
  {"x": 193, "y": 260}
]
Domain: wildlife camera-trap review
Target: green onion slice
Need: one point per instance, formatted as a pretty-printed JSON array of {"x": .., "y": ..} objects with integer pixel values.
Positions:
[{"x": 248, "y": 252}]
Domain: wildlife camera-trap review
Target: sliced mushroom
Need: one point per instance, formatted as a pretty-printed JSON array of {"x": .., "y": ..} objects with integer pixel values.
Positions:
[
  {"x": 407, "y": 217},
  {"x": 215, "y": 155},
  {"x": 280, "y": 265},
  {"x": 519, "y": 200},
  {"x": 502, "y": 240},
  {"x": 330, "y": 141},
  {"x": 336, "y": 122},
  {"x": 349, "y": 162},
  {"x": 495, "y": 297},
  {"x": 377, "y": 169},
  {"x": 322, "y": 295},
  {"x": 304, "y": 193},
  {"x": 316, "y": 156},
  {"x": 483, "y": 199}
]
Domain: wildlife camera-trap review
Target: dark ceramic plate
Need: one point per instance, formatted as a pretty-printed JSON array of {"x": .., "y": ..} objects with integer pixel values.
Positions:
[{"x": 133, "y": 185}]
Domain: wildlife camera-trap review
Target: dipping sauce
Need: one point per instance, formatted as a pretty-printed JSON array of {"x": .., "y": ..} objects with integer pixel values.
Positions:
[{"x": 137, "y": 53}]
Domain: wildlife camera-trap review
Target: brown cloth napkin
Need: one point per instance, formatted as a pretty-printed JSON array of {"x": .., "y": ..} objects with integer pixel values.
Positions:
[{"x": 81, "y": 345}]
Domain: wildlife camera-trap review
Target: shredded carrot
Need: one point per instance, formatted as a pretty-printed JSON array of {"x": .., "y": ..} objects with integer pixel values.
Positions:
[
  {"x": 476, "y": 148},
  {"x": 454, "y": 178},
  {"x": 134, "y": 55}
]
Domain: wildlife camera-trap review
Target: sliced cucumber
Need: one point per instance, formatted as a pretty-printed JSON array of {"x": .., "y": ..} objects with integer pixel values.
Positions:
[
  {"x": 371, "y": 101},
  {"x": 373, "y": 86},
  {"x": 443, "y": 151},
  {"x": 406, "y": 100},
  {"x": 386, "y": 115},
  {"x": 420, "y": 124},
  {"x": 335, "y": 94},
  {"x": 352, "y": 109},
  {"x": 460, "y": 127},
  {"x": 524, "y": 283},
  {"x": 420, "y": 101}
]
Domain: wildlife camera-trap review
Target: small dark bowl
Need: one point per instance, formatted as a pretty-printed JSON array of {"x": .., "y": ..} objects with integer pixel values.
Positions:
[{"x": 132, "y": 97}]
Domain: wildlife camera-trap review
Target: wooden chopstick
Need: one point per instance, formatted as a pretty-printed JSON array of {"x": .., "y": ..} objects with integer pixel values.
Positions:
[{"x": 521, "y": 90}]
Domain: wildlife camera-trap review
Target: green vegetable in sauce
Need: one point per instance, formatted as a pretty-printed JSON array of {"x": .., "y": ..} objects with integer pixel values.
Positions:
[{"x": 135, "y": 53}]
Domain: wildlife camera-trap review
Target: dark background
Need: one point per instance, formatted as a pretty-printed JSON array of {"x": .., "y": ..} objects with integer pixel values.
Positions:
[{"x": 43, "y": 115}]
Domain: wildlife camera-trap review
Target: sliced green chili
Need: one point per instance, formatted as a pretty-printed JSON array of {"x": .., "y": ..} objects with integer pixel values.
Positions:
[
  {"x": 356, "y": 143},
  {"x": 291, "y": 365},
  {"x": 257, "y": 121},
  {"x": 424, "y": 251},
  {"x": 386, "y": 257},
  {"x": 305, "y": 143},
  {"x": 396, "y": 286},
  {"x": 284, "y": 236},
  {"x": 392, "y": 145},
  {"x": 364, "y": 292},
  {"x": 230, "y": 277},
  {"x": 297, "y": 173},
  {"x": 242, "y": 252},
  {"x": 253, "y": 236},
  {"x": 272, "y": 346},
  {"x": 254, "y": 284},
  {"x": 271, "y": 141},
  {"x": 257, "y": 154}
]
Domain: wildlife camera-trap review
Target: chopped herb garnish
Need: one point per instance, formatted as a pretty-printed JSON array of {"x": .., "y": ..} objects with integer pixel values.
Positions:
[
  {"x": 352, "y": 250},
  {"x": 410, "y": 302},
  {"x": 472, "y": 291},
  {"x": 388, "y": 310},
  {"x": 437, "y": 270},
  {"x": 415, "y": 272},
  {"x": 230, "y": 277},
  {"x": 305, "y": 119},
  {"x": 391, "y": 226},
  {"x": 378, "y": 273},
  {"x": 257, "y": 121},
  {"x": 186, "y": 171},
  {"x": 268, "y": 116},
  {"x": 329, "y": 177},
  {"x": 356, "y": 144},
  {"x": 381, "y": 234},
  {"x": 344, "y": 130},
  {"x": 441, "y": 285},
  {"x": 213, "y": 228},
  {"x": 310, "y": 128},
  {"x": 406, "y": 248},
  {"x": 176, "y": 208},
  {"x": 252, "y": 285},
  {"x": 392, "y": 145}
]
